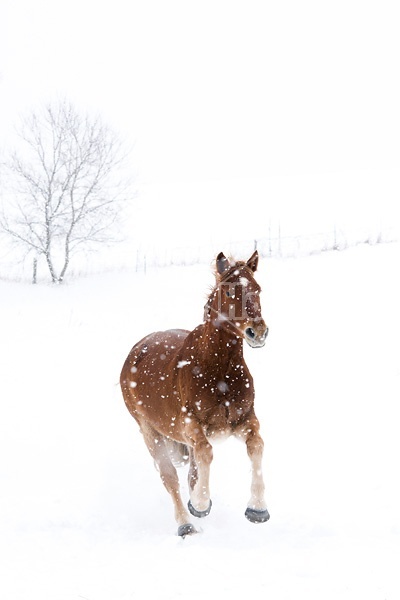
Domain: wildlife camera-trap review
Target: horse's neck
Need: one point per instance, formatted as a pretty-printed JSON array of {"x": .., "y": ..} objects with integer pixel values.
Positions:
[{"x": 220, "y": 348}]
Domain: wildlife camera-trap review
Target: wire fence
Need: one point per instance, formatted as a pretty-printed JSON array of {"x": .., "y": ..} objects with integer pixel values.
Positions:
[
  {"x": 130, "y": 257},
  {"x": 276, "y": 246}
]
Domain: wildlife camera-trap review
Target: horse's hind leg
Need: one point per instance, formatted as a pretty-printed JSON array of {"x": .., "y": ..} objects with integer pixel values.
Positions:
[{"x": 158, "y": 448}]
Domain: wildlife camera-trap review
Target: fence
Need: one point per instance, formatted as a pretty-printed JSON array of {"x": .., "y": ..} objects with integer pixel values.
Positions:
[
  {"x": 277, "y": 246},
  {"x": 129, "y": 257}
]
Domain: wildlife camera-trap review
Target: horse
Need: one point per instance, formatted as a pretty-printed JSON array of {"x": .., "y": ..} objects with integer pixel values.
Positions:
[{"x": 187, "y": 388}]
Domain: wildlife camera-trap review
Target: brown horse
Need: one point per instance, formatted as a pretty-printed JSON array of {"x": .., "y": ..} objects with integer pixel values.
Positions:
[{"x": 186, "y": 387}]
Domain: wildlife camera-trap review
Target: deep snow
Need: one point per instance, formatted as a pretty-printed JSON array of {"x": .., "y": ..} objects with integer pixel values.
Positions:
[{"x": 83, "y": 513}]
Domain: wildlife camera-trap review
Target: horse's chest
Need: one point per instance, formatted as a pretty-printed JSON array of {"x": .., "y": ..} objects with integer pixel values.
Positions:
[
  {"x": 220, "y": 403},
  {"x": 223, "y": 418}
]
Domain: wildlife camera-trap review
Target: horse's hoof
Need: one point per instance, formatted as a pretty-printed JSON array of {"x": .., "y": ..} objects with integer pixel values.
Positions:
[
  {"x": 199, "y": 513},
  {"x": 256, "y": 516},
  {"x": 186, "y": 529}
]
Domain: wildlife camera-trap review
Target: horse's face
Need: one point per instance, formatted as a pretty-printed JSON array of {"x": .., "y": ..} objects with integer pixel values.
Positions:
[{"x": 237, "y": 295}]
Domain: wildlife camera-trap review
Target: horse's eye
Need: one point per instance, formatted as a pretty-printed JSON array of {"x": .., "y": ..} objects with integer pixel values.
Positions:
[{"x": 228, "y": 293}]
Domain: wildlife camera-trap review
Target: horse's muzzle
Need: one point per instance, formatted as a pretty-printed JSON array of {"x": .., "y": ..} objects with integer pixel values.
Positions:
[{"x": 254, "y": 337}]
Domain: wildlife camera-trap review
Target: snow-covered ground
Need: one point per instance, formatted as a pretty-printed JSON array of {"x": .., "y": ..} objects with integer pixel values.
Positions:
[{"x": 83, "y": 513}]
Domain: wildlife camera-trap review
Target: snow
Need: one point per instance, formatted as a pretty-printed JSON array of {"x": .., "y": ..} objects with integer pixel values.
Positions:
[
  {"x": 182, "y": 363},
  {"x": 83, "y": 512}
]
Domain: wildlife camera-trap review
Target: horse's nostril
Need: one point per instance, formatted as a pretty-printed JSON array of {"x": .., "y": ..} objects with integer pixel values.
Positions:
[
  {"x": 250, "y": 332},
  {"x": 266, "y": 332}
]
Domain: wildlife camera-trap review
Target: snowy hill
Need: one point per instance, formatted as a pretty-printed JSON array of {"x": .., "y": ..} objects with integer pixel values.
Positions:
[{"x": 83, "y": 513}]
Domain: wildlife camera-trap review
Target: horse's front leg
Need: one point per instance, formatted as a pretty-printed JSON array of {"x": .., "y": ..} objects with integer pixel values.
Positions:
[
  {"x": 256, "y": 511},
  {"x": 201, "y": 455}
]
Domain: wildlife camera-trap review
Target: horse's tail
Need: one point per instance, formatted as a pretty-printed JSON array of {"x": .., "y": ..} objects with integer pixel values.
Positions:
[{"x": 178, "y": 452}]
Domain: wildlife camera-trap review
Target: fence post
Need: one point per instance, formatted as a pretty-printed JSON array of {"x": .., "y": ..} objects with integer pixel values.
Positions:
[
  {"x": 270, "y": 240},
  {"x": 279, "y": 240}
]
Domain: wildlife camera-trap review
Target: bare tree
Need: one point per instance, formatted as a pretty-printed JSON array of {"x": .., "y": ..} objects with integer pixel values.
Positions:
[{"x": 64, "y": 193}]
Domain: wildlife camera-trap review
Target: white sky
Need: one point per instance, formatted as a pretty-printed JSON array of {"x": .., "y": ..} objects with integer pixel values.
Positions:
[{"x": 285, "y": 91}]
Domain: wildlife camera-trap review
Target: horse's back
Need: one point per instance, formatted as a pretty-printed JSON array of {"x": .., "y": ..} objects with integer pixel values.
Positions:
[
  {"x": 149, "y": 373},
  {"x": 160, "y": 345},
  {"x": 169, "y": 340}
]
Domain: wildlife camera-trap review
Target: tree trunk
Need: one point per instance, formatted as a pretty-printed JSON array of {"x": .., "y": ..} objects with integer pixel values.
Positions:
[
  {"x": 53, "y": 275},
  {"x": 66, "y": 256},
  {"x": 65, "y": 267},
  {"x": 34, "y": 274}
]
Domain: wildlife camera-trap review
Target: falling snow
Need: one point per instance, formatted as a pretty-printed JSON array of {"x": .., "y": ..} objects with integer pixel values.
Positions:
[
  {"x": 84, "y": 515},
  {"x": 183, "y": 363}
]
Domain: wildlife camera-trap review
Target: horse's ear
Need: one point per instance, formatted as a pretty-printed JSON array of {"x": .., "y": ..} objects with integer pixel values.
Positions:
[
  {"x": 252, "y": 263},
  {"x": 222, "y": 263}
]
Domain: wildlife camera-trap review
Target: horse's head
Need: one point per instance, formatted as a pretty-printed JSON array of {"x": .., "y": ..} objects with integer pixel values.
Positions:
[{"x": 235, "y": 301}]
